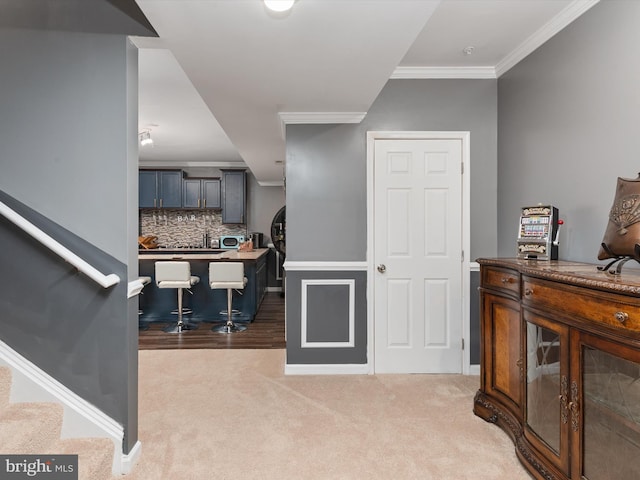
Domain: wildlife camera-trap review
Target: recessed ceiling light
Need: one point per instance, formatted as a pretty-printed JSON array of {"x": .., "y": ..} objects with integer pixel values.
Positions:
[{"x": 279, "y": 5}]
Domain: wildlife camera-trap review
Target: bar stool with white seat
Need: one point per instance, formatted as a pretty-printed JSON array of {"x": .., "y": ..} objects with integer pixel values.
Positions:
[
  {"x": 230, "y": 276},
  {"x": 171, "y": 274},
  {"x": 145, "y": 281}
]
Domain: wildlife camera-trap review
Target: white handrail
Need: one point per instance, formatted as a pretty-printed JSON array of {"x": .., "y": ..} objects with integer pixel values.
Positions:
[{"x": 101, "y": 279}]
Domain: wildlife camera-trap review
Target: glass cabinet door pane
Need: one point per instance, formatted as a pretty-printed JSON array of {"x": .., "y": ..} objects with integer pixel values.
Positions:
[
  {"x": 543, "y": 384},
  {"x": 611, "y": 396}
]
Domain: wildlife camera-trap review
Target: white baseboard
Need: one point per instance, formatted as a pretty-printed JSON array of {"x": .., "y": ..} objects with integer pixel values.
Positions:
[
  {"x": 80, "y": 418},
  {"x": 327, "y": 369},
  {"x": 344, "y": 369},
  {"x": 129, "y": 460},
  {"x": 274, "y": 289}
]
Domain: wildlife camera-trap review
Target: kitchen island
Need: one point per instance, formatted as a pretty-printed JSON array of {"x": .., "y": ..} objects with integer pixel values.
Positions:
[{"x": 206, "y": 304}]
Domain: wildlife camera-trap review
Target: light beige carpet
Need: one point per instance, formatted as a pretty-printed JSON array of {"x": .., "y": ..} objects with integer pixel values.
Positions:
[{"x": 232, "y": 414}]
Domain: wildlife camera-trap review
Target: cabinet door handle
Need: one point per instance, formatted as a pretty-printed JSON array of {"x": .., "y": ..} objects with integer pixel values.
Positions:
[
  {"x": 204, "y": 203},
  {"x": 160, "y": 203},
  {"x": 528, "y": 291},
  {"x": 621, "y": 316},
  {"x": 198, "y": 203},
  {"x": 564, "y": 406},
  {"x": 574, "y": 407},
  {"x": 506, "y": 280}
]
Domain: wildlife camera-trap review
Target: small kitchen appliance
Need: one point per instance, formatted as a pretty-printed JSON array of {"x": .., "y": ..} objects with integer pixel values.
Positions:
[
  {"x": 256, "y": 238},
  {"x": 231, "y": 242}
]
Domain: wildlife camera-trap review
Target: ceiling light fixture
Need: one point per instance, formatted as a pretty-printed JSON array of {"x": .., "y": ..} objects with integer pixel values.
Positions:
[
  {"x": 279, "y": 5},
  {"x": 145, "y": 138},
  {"x": 468, "y": 50}
]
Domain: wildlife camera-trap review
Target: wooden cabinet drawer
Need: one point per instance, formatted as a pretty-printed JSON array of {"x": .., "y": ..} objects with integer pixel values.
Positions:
[
  {"x": 617, "y": 311},
  {"x": 501, "y": 279}
]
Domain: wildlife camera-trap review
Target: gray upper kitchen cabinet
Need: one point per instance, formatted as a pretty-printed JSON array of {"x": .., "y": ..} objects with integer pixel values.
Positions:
[
  {"x": 201, "y": 193},
  {"x": 234, "y": 196},
  {"x": 211, "y": 192},
  {"x": 160, "y": 188},
  {"x": 147, "y": 189}
]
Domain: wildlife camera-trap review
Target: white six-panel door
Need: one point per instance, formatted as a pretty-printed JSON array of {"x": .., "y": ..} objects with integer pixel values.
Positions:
[{"x": 418, "y": 255}]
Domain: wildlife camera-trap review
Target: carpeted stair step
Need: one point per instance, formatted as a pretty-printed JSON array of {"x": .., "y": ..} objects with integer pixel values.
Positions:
[
  {"x": 34, "y": 428},
  {"x": 29, "y": 428},
  {"x": 95, "y": 456},
  {"x": 5, "y": 386}
]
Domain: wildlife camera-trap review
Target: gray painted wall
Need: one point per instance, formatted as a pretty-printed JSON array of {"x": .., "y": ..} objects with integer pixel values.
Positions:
[
  {"x": 568, "y": 127},
  {"x": 263, "y": 204},
  {"x": 63, "y": 322},
  {"x": 68, "y": 136},
  {"x": 327, "y": 196},
  {"x": 326, "y": 166},
  {"x": 129, "y": 330},
  {"x": 63, "y": 135}
]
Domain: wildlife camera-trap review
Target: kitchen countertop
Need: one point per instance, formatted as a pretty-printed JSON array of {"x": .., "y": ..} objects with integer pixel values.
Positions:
[{"x": 200, "y": 254}]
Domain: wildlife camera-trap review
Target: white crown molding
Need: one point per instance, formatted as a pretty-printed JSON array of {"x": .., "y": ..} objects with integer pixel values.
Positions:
[
  {"x": 443, "y": 72},
  {"x": 557, "y": 23},
  {"x": 321, "y": 117},
  {"x": 291, "y": 118},
  {"x": 172, "y": 164},
  {"x": 277, "y": 183},
  {"x": 560, "y": 21}
]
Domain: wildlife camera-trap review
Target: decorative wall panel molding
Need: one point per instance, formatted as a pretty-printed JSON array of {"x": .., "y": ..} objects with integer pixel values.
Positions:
[{"x": 349, "y": 342}]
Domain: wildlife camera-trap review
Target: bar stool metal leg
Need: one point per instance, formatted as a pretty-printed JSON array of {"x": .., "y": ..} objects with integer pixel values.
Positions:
[
  {"x": 229, "y": 327},
  {"x": 181, "y": 325}
]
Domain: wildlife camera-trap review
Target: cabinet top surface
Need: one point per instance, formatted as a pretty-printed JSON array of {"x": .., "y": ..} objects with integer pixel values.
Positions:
[
  {"x": 198, "y": 254},
  {"x": 573, "y": 273}
]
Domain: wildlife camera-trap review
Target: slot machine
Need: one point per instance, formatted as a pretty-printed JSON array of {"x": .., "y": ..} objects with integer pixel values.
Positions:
[{"x": 538, "y": 233}]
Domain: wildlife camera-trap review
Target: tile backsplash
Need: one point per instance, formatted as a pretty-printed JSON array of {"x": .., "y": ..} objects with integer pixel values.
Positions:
[{"x": 185, "y": 228}]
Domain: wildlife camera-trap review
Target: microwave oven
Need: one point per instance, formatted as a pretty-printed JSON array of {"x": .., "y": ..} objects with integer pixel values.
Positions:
[{"x": 231, "y": 242}]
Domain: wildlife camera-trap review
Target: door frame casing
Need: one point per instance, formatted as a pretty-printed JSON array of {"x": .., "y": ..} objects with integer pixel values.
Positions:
[{"x": 465, "y": 264}]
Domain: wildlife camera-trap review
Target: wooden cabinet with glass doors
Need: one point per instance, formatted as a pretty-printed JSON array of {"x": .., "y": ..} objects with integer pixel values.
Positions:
[
  {"x": 501, "y": 365},
  {"x": 580, "y": 344}
]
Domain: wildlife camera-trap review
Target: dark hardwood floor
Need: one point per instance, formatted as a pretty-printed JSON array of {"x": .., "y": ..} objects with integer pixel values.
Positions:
[{"x": 266, "y": 331}]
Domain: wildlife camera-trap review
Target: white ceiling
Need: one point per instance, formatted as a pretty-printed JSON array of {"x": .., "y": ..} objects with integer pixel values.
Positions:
[{"x": 224, "y": 74}]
